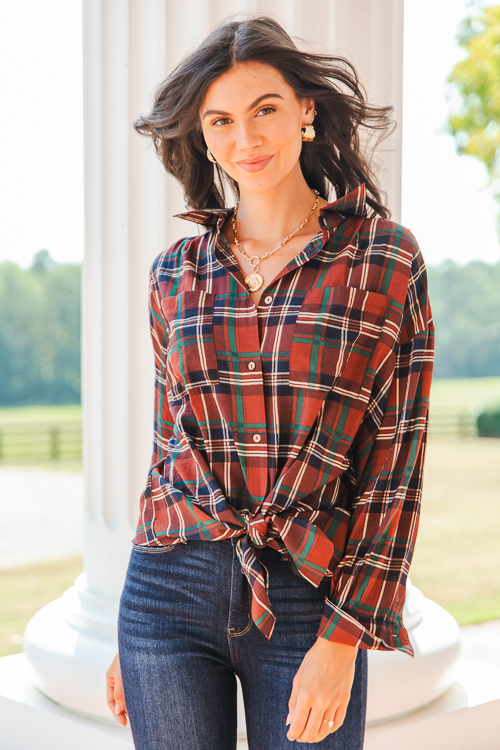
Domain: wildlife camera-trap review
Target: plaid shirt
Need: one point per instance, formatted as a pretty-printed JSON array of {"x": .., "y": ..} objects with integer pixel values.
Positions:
[{"x": 301, "y": 423}]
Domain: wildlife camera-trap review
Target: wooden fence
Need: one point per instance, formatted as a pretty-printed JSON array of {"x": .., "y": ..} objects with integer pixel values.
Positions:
[
  {"x": 448, "y": 420},
  {"x": 51, "y": 440},
  {"x": 40, "y": 440}
]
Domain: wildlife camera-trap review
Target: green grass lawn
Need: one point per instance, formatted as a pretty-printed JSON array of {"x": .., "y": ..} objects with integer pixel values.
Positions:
[
  {"x": 464, "y": 393},
  {"x": 20, "y": 414},
  {"x": 457, "y": 557},
  {"x": 23, "y": 591}
]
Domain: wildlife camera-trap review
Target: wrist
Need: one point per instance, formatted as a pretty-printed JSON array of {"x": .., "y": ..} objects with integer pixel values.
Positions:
[{"x": 335, "y": 646}]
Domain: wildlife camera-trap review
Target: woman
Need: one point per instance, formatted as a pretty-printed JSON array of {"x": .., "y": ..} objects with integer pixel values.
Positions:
[{"x": 293, "y": 345}]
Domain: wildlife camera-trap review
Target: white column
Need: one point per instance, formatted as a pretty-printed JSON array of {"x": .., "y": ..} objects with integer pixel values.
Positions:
[
  {"x": 369, "y": 33},
  {"x": 70, "y": 642},
  {"x": 129, "y": 47}
]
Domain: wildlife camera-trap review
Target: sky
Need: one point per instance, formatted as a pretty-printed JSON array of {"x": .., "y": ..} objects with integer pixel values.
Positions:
[
  {"x": 446, "y": 203},
  {"x": 445, "y": 200}
]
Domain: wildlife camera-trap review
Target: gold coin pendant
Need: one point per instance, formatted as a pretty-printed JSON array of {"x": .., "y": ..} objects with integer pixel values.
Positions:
[{"x": 254, "y": 282}]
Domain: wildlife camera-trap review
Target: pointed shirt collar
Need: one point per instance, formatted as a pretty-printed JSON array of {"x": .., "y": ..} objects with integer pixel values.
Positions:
[{"x": 353, "y": 202}]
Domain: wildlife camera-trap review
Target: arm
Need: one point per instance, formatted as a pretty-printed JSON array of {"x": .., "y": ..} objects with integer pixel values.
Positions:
[
  {"x": 163, "y": 420},
  {"x": 369, "y": 586},
  {"x": 364, "y": 609},
  {"x": 163, "y": 423},
  {"x": 162, "y": 430}
]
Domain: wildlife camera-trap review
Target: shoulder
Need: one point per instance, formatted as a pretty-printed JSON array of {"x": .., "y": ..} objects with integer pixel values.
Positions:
[
  {"x": 166, "y": 268},
  {"x": 393, "y": 250},
  {"x": 396, "y": 265},
  {"x": 390, "y": 235}
]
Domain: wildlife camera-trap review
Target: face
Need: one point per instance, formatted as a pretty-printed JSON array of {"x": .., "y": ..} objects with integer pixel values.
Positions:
[{"x": 251, "y": 120}]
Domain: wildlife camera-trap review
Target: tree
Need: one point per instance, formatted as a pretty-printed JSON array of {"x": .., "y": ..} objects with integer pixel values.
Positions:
[
  {"x": 466, "y": 310},
  {"x": 476, "y": 124},
  {"x": 42, "y": 261},
  {"x": 39, "y": 332}
]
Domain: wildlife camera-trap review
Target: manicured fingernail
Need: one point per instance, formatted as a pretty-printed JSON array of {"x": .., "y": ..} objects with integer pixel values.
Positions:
[
  {"x": 287, "y": 720},
  {"x": 117, "y": 709}
]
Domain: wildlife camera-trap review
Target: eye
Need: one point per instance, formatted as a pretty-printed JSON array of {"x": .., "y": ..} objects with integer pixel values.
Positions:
[
  {"x": 220, "y": 121},
  {"x": 267, "y": 110}
]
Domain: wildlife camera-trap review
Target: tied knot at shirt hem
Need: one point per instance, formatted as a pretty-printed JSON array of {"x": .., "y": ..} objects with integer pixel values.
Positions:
[
  {"x": 308, "y": 547},
  {"x": 311, "y": 553}
]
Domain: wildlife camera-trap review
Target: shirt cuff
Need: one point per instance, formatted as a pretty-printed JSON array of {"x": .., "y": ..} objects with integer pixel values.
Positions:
[{"x": 384, "y": 634}]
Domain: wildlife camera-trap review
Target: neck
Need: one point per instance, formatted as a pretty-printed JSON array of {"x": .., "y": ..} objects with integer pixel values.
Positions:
[{"x": 272, "y": 215}]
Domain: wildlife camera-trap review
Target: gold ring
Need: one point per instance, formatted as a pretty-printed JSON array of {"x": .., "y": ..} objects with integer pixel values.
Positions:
[{"x": 329, "y": 722}]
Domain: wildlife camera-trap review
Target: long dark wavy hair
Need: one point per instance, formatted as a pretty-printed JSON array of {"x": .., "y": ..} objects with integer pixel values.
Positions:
[{"x": 336, "y": 158}]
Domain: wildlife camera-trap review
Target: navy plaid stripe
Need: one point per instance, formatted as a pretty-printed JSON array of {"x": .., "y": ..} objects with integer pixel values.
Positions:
[{"x": 317, "y": 451}]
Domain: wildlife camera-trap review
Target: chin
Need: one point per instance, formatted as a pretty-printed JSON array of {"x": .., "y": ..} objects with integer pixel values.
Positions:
[
  {"x": 262, "y": 185},
  {"x": 254, "y": 187}
]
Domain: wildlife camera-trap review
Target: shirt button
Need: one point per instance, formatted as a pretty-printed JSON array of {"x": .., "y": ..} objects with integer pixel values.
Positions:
[
  {"x": 256, "y": 438},
  {"x": 251, "y": 365},
  {"x": 268, "y": 299}
]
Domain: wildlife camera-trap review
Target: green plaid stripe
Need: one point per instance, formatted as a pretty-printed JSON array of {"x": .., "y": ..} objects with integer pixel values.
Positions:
[{"x": 317, "y": 449}]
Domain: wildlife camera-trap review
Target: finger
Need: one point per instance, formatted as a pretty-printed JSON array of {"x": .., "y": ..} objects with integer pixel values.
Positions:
[
  {"x": 292, "y": 701},
  {"x": 116, "y": 707},
  {"x": 121, "y": 718},
  {"x": 337, "y": 715},
  {"x": 118, "y": 692},
  {"x": 314, "y": 725},
  {"x": 120, "y": 709},
  {"x": 300, "y": 716},
  {"x": 110, "y": 691},
  {"x": 114, "y": 692}
]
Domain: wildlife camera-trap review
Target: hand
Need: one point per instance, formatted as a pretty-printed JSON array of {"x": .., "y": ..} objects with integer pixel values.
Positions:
[
  {"x": 116, "y": 699},
  {"x": 321, "y": 690}
]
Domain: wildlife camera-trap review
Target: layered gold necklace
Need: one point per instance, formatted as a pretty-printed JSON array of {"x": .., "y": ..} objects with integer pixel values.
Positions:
[{"x": 255, "y": 280}]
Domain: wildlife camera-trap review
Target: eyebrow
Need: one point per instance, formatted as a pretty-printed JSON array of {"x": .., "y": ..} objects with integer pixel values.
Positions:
[{"x": 252, "y": 105}]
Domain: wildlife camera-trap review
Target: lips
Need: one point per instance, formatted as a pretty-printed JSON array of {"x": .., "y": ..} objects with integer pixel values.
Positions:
[{"x": 255, "y": 165}]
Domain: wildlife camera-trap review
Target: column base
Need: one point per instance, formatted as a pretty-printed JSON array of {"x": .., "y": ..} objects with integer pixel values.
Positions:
[
  {"x": 29, "y": 719},
  {"x": 464, "y": 717},
  {"x": 70, "y": 643}
]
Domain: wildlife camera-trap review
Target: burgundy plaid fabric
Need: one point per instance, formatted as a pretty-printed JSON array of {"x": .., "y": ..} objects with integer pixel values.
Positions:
[{"x": 300, "y": 424}]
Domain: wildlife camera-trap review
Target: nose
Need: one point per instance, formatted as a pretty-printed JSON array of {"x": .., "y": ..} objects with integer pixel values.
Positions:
[{"x": 247, "y": 137}]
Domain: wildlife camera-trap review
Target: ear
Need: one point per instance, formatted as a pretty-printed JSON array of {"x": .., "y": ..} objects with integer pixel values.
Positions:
[{"x": 308, "y": 110}]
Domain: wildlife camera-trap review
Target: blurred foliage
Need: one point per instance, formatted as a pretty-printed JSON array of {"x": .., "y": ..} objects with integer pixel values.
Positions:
[
  {"x": 39, "y": 332},
  {"x": 488, "y": 421},
  {"x": 40, "y": 327},
  {"x": 465, "y": 302},
  {"x": 476, "y": 124}
]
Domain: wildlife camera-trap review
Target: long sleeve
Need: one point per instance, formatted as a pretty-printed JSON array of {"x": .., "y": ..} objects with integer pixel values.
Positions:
[
  {"x": 366, "y": 603},
  {"x": 163, "y": 422}
]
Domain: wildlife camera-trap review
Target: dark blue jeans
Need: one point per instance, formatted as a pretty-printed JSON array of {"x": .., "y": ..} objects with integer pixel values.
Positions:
[{"x": 185, "y": 630}]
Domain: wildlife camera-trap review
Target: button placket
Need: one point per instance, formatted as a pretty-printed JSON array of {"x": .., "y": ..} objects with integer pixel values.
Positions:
[{"x": 251, "y": 430}]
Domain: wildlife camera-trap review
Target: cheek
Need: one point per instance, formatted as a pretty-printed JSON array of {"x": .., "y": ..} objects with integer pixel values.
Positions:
[
  {"x": 286, "y": 137},
  {"x": 222, "y": 142}
]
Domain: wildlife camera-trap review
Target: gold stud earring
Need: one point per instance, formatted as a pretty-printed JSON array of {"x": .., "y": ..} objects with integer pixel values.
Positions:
[
  {"x": 210, "y": 156},
  {"x": 308, "y": 132}
]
